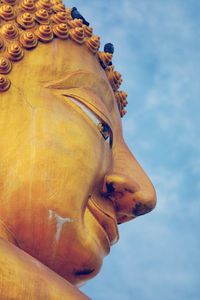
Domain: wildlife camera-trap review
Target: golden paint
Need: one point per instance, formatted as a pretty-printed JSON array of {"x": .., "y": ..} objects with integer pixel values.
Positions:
[
  {"x": 1, "y": 44},
  {"x": 28, "y": 40},
  {"x": 77, "y": 34},
  {"x": 114, "y": 77},
  {"x": 30, "y": 13},
  {"x": 105, "y": 58},
  {"x": 58, "y": 7},
  {"x": 67, "y": 176},
  {"x": 44, "y": 33},
  {"x": 26, "y": 20},
  {"x": 44, "y": 4},
  {"x": 122, "y": 102},
  {"x": 88, "y": 30},
  {"x": 61, "y": 31},
  {"x": 42, "y": 16},
  {"x": 7, "y": 12},
  {"x": 68, "y": 13},
  {"x": 75, "y": 23},
  {"x": 121, "y": 97},
  {"x": 9, "y": 31},
  {"x": 93, "y": 43},
  {"x": 10, "y": 2},
  {"x": 14, "y": 52},
  {"x": 4, "y": 83},
  {"x": 64, "y": 164},
  {"x": 59, "y": 17},
  {"x": 28, "y": 5},
  {"x": 5, "y": 65},
  {"x": 54, "y": 2}
]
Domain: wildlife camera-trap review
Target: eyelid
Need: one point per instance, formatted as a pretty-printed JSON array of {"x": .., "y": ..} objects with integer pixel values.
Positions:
[
  {"x": 92, "y": 116},
  {"x": 91, "y": 107},
  {"x": 95, "y": 118}
]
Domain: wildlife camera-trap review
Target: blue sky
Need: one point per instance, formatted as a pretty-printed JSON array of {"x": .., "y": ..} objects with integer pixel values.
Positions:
[{"x": 157, "y": 46}]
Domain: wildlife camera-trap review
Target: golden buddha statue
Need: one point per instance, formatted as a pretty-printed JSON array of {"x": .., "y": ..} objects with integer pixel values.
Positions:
[{"x": 67, "y": 177}]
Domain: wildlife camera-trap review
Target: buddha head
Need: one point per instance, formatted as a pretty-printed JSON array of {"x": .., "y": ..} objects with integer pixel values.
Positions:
[{"x": 67, "y": 176}]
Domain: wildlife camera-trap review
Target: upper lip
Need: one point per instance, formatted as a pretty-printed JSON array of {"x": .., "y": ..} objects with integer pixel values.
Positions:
[{"x": 106, "y": 218}]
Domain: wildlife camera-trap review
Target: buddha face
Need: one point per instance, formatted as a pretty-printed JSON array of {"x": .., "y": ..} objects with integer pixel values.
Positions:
[{"x": 67, "y": 177}]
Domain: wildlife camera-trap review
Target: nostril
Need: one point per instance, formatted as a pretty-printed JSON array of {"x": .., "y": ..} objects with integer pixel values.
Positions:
[
  {"x": 130, "y": 198},
  {"x": 110, "y": 187},
  {"x": 120, "y": 183}
]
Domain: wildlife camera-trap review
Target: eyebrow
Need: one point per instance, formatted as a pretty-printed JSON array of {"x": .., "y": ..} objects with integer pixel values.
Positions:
[{"x": 84, "y": 79}]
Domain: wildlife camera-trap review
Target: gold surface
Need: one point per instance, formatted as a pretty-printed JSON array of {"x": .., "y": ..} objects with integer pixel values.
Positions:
[
  {"x": 64, "y": 187},
  {"x": 26, "y": 23}
]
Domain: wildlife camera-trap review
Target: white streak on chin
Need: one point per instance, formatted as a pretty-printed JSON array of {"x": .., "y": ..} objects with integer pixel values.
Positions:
[{"x": 60, "y": 221}]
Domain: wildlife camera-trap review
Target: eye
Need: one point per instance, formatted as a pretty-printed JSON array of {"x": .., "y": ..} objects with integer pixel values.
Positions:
[
  {"x": 106, "y": 132},
  {"x": 103, "y": 127}
]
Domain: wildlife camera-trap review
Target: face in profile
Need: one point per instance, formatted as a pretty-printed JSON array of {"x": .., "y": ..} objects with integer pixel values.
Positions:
[{"x": 68, "y": 178}]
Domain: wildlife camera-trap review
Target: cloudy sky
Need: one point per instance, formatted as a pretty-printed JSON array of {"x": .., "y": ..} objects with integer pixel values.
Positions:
[{"x": 157, "y": 46}]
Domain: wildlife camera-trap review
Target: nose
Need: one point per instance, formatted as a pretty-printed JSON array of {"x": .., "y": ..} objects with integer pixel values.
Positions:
[{"x": 128, "y": 186}]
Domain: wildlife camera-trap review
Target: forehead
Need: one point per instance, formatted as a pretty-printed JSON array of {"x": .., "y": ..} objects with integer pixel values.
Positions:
[
  {"x": 68, "y": 68},
  {"x": 64, "y": 68},
  {"x": 60, "y": 57}
]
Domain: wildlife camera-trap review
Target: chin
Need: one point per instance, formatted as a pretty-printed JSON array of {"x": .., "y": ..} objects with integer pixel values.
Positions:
[
  {"x": 81, "y": 275},
  {"x": 83, "y": 263},
  {"x": 81, "y": 250},
  {"x": 77, "y": 255}
]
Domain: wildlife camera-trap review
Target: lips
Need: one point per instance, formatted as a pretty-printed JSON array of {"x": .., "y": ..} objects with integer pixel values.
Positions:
[{"x": 105, "y": 216}]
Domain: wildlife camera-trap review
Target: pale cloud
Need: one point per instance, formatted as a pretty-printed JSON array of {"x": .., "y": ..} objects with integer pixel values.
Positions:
[
  {"x": 168, "y": 184},
  {"x": 153, "y": 100},
  {"x": 129, "y": 126}
]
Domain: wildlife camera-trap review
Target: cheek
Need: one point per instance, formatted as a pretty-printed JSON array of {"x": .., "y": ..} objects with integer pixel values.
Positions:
[
  {"x": 75, "y": 150},
  {"x": 52, "y": 160},
  {"x": 57, "y": 161}
]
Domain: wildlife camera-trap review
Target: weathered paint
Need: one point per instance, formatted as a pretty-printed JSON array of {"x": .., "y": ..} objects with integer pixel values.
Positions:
[{"x": 60, "y": 221}]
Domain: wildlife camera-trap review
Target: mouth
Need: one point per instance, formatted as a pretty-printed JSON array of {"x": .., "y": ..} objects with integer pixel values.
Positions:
[{"x": 105, "y": 216}]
